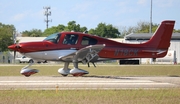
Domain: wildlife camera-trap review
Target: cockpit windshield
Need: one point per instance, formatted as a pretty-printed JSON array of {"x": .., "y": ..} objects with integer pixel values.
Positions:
[{"x": 53, "y": 38}]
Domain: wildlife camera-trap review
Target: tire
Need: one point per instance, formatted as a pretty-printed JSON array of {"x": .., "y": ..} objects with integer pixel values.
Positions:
[
  {"x": 38, "y": 62},
  {"x": 45, "y": 61},
  {"x": 64, "y": 75},
  {"x": 31, "y": 61}
]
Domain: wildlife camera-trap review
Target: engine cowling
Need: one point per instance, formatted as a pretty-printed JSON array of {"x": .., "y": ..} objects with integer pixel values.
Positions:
[{"x": 28, "y": 72}]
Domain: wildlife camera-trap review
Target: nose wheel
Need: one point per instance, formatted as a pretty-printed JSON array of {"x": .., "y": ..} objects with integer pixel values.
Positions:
[
  {"x": 26, "y": 75},
  {"x": 64, "y": 75},
  {"x": 26, "y": 71}
]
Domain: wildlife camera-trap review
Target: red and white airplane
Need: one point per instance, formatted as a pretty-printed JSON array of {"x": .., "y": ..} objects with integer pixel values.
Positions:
[{"x": 79, "y": 47}]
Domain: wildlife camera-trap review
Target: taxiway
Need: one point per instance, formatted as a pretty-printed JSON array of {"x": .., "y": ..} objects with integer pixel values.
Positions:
[{"x": 86, "y": 82}]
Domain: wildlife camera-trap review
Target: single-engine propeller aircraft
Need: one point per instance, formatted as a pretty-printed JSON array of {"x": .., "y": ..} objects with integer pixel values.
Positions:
[{"x": 79, "y": 47}]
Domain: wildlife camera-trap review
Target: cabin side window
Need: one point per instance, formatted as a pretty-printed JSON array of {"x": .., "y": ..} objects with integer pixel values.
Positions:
[
  {"x": 88, "y": 41},
  {"x": 70, "y": 39}
]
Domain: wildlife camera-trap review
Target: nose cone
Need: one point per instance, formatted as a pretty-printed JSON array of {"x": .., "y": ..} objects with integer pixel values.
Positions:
[{"x": 14, "y": 47}]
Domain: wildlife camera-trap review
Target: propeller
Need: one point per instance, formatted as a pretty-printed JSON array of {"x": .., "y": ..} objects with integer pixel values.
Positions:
[
  {"x": 16, "y": 48},
  {"x": 17, "y": 45}
]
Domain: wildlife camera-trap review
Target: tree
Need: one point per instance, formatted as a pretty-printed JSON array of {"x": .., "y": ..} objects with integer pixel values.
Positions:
[
  {"x": 112, "y": 32},
  {"x": 32, "y": 33},
  {"x": 176, "y": 31},
  {"x": 54, "y": 29},
  {"x": 82, "y": 29},
  {"x": 60, "y": 27},
  {"x": 71, "y": 26},
  {"x": 92, "y": 31},
  {"x": 104, "y": 30},
  {"x": 142, "y": 27},
  {"x": 6, "y": 34}
]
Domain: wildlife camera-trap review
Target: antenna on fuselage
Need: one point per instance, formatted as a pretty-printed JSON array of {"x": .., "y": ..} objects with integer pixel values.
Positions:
[{"x": 85, "y": 31}]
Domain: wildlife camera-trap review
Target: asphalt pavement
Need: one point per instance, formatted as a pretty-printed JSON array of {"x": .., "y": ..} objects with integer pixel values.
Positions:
[{"x": 86, "y": 82}]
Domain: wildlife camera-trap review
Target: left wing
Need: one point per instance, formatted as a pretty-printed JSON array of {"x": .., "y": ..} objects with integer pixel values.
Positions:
[{"x": 87, "y": 54}]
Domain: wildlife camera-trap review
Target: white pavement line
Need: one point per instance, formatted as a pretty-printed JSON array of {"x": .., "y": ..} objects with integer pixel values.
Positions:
[
  {"x": 79, "y": 83},
  {"x": 120, "y": 81}
]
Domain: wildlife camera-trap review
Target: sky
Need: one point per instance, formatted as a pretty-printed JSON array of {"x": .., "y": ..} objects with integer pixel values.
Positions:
[{"x": 29, "y": 14}]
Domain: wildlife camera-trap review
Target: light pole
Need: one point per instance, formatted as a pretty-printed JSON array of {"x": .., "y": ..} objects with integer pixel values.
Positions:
[
  {"x": 47, "y": 13},
  {"x": 150, "y": 27}
]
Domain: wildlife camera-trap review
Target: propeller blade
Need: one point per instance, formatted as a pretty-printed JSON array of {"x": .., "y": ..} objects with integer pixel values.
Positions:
[{"x": 14, "y": 56}]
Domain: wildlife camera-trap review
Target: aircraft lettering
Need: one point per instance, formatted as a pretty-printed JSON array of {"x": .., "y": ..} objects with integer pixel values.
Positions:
[{"x": 126, "y": 52}]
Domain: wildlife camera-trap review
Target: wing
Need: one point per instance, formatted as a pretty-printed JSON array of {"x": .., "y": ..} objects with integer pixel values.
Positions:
[{"x": 87, "y": 54}]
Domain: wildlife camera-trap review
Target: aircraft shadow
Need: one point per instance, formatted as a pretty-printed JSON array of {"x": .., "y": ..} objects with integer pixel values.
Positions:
[
  {"x": 108, "y": 77},
  {"x": 105, "y": 77}
]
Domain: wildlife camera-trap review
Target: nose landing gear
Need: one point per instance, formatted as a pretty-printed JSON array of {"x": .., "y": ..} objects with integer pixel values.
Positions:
[{"x": 26, "y": 71}]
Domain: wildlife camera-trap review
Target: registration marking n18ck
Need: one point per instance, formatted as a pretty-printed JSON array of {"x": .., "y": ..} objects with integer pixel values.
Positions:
[{"x": 126, "y": 52}]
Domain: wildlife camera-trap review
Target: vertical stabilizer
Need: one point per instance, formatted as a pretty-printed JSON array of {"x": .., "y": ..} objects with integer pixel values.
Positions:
[{"x": 162, "y": 36}]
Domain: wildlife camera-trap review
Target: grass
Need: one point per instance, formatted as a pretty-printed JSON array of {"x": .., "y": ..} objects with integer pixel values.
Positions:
[
  {"x": 140, "y": 96},
  {"x": 102, "y": 70},
  {"x": 128, "y": 96}
]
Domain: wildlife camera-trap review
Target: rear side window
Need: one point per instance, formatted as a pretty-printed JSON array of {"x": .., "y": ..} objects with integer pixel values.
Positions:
[{"x": 88, "y": 41}]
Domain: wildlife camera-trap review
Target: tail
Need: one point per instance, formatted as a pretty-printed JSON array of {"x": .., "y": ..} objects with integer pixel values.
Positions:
[{"x": 162, "y": 36}]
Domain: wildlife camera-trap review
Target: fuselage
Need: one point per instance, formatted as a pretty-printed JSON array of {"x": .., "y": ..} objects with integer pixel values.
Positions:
[{"x": 56, "y": 46}]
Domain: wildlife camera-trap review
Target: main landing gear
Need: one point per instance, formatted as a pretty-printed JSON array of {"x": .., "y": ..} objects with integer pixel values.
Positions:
[{"x": 75, "y": 71}]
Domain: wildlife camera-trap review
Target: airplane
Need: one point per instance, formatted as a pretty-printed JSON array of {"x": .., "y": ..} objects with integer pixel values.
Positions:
[{"x": 78, "y": 47}]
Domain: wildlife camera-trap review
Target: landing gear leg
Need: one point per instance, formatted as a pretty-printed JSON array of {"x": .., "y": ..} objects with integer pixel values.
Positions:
[
  {"x": 26, "y": 71},
  {"x": 64, "y": 71},
  {"x": 76, "y": 71}
]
